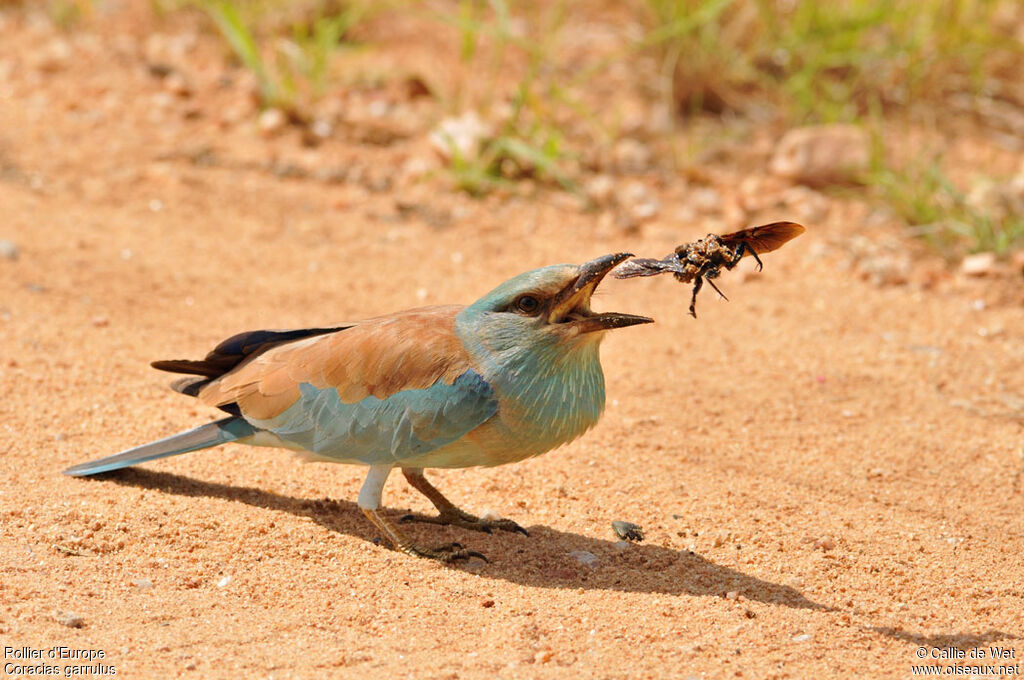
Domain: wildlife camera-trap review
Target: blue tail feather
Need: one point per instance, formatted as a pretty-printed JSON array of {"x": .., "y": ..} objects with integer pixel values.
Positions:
[{"x": 204, "y": 436}]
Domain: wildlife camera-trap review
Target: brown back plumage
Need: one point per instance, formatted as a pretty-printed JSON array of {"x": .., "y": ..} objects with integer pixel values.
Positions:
[
  {"x": 260, "y": 375},
  {"x": 228, "y": 355}
]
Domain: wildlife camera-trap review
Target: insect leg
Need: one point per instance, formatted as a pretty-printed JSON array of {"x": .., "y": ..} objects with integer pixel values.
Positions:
[
  {"x": 693, "y": 300},
  {"x": 747, "y": 248},
  {"x": 712, "y": 284}
]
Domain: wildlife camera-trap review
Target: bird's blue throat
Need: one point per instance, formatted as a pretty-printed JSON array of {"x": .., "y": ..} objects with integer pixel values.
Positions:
[{"x": 551, "y": 390}]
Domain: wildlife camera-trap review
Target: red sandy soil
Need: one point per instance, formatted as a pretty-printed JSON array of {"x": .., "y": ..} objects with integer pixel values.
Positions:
[{"x": 828, "y": 471}]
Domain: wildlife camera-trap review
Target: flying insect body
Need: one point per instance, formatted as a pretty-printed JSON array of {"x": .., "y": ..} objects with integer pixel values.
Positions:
[{"x": 704, "y": 259}]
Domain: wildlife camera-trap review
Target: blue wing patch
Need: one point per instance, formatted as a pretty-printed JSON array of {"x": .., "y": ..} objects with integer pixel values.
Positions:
[{"x": 373, "y": 431}]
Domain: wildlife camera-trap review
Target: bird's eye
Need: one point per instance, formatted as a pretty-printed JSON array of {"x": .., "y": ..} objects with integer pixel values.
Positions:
[{"x": 527, "y": 304}]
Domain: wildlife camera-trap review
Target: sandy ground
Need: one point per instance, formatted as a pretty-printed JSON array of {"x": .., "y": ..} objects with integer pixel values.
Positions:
[{"x": 828, "y": 471}]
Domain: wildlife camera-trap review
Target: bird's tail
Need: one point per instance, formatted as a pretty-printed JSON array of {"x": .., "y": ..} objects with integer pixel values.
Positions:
[{"x": 202, "y": 437}]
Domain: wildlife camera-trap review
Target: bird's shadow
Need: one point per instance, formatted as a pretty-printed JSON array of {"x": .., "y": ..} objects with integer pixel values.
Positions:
[
  {"x": 530, "y": 561},
  {"x": 962, "y": 641},
  {"x": 637, "y": 568}
]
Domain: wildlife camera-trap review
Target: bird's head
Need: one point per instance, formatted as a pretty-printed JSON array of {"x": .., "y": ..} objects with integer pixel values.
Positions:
[{"x": 548, "y": 306}]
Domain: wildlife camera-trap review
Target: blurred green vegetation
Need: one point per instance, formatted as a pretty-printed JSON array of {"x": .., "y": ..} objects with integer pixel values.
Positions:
[
  {"x": 291, "y": 58},
  {"x": 782, "y": 62},
  {"x": 941, "y": 214},
  {"x": 832, "y": 61},
  {"x": 64, "y": 13},
  {"x": 528, "y": 141},
  {"x": 856, "y": 61}
]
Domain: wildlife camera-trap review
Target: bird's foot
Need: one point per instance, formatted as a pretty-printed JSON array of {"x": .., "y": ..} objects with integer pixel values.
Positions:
[
  {"x": 460, "y": 518},
  {"x": 445, "y": 553}
]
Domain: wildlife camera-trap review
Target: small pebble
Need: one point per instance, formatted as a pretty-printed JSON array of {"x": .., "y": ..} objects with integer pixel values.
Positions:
[
  {"x": 705, "y": 200},
  {"x": 70, "y": 619},
  {"x": 1017, "y": 261},
  {"x": 639, "y": 201},
  {"x": 822, "y": 154},
  {"x": 803, "y": 637},
  {"x": 53, "y": 57},
  {"x": 223, "y": 582},
  {"x": 176, "y": 84},
  {"x": 542, "y": 656},
  {"x": 416, "y": 167},
  {"x": 378, "y": 108},
  {"x": 584, "y": 557},
  {"x": 631, "y": 156},
  {"x": 9, "y": 250},
  {"x": 885, "y": 270},
  {"x": 322, "y": 129},
  {"x": 600, "y": 189},
  {"x": 807, "y": 205},
  {"x": 979, "y": 264},
  {"x": 143, "y": 583},
  {"x": 645, "y": 210},
  {"x": 460, "y": 137},
  {"x": 825, "y": 543},
  {"x": 487, "y": 604},
  {"x": 628, "y": 530},
  {"x": 272, "y": 121}
]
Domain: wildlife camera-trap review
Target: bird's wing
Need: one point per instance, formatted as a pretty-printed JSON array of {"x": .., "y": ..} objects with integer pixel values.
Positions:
[
  {"x": 230, "y": 354},
  {"x": 236, "y": 349},
  {"x": 382, "y": 388}
]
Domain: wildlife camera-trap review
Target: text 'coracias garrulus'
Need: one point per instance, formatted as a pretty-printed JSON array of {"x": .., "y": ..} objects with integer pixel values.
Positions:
[{"x": 513, "y": 375}]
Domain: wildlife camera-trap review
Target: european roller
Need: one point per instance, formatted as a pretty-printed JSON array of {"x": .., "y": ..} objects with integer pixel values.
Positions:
[{"x": 513, "y": 375}]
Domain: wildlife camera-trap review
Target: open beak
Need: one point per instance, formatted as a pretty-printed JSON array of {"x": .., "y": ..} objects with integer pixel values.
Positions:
[{"x": 572, "y": 304}]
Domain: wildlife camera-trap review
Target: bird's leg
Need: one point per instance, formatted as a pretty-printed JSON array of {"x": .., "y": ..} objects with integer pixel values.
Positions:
[
  {"x": 449, "y": 513},
  {"x": 369, "y": 503},
  {"x": 446, "y": 553}
]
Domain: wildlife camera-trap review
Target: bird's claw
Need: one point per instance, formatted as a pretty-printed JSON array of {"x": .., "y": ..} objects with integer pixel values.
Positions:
[
  {"x": 509, "y": 525},
  {"x": 467, "y": 521},
  {"x": 445, "y": 554}
]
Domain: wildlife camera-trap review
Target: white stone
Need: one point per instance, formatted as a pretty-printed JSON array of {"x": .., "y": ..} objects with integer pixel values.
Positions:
[
  {"x": 460, "y": 136},
  {"x": 822, "y": 154},
  {"x": 272, "y": 121},
  {"x": 979, "y": 264},
  {"x": 584, "y": 557}
]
